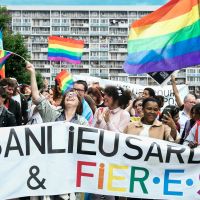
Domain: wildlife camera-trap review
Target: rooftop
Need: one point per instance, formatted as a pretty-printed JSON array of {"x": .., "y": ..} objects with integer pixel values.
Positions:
[{"x": 82, "y": 2}]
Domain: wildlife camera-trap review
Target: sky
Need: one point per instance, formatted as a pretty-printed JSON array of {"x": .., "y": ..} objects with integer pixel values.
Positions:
[{"x": 82, "y": 2}]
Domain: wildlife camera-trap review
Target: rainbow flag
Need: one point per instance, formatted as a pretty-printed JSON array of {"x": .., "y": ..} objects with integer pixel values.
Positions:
[
  {"x": 65, "y": 49},
  {"x": 165, "y": 40},
  {"x": 3, "y": 57},
  {"x": 2, "y": 70},
  {"x": 65, "y": 81},
  {"x": 2, "y": 73}
]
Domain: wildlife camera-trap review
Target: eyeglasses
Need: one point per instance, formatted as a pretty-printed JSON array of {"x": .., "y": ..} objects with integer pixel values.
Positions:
[
  {"x": 71, "y": 94},
  {"x": 79, "y": 90}
]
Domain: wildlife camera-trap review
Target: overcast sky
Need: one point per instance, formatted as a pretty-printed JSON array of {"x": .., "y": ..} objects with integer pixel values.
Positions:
[{"x": 82, "y": 2}]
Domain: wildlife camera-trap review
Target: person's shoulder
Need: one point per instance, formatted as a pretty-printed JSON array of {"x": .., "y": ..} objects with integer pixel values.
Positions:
[
  {"x": 125, "y": 113},
  {"x": 8, "y": 113},
  {"x": 134, "y": 124},
  {"x": 14, "y": 102},
  {"x": 22, "y": 97}
]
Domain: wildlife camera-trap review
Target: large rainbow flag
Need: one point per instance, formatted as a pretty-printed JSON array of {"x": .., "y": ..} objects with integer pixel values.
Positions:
[
  {"x": 165, "y": 40},
  {"x": 3, "y": 57},
  {"x": 2, "y": 70},
  {"x": 65, "y": 49},
  {"x": 65, "y": 81}
]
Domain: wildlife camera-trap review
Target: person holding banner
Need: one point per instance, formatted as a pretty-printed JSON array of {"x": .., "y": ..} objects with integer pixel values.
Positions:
[
  {"x": 6, "y": 118},
  {"x": 71, "y": 104},
  {"x": 194, "y": 116},
  {"x": 149, "y": 126},
  {"x": 193, "y": 138},
  {"x": 71, "y": 110},
  {"x": 113, "y": 117}
]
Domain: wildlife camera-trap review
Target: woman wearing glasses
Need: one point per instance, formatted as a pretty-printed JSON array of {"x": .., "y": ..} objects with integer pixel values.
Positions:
[
  {"x": 71, "y": 106},
  {"x": 70, "y": 111}
]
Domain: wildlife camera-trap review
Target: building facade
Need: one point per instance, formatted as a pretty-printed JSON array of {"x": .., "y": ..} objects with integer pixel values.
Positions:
[{"x": 104, "y": 30}]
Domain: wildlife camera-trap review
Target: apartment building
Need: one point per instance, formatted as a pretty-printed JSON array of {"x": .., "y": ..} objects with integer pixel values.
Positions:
[{"x": 104, "y": 30}]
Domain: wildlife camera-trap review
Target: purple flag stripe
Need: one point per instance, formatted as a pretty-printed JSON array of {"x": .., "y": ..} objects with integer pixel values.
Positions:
[{"x": 172, "y": 64}]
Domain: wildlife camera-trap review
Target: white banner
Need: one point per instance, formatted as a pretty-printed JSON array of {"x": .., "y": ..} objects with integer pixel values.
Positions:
[
  {"x": 58, "y": 158},
  {"x": 165, "y": 90}
]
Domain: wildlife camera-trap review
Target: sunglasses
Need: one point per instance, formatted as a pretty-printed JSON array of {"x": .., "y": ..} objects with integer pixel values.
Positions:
[{"x": 71, "y": 94}]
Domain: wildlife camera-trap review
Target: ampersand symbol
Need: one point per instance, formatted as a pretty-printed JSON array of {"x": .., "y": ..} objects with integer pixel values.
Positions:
[{"x": 34, "y": 176}]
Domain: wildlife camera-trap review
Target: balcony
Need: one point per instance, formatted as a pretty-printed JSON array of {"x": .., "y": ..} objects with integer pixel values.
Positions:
[
  {"x": 121, "y": 50},
  {"x": 94, "y": 49},
  {"x": 65, "y": 24},
  {"x": 103, "y": 48},
  {"x": 104, "y": 33},
  {"x": 16, "y": 23},
  {"x": 194, "y": 83},
  {"x": 94, "y": 57},
  {"x": 25, "y": 32},
  {"x": 39, "y": 41},
  {"x": 41, "y": 25},
  {"x": 94, "y": 24},
  {"x": 85, "y": 58},
  {"x": 55, "y": 32},
  {"x": 55, "y": 23},
  {"x": 103, "y": 57},
  {"x": 26, "y": 23},
  {"x": 104, "y": 24},
  {"x": 65, "y": 32},
  {"x": 86, "y": 49},
  {"x": 41, "y": 32},
  {"x": 94, "y": 32},
  {"x": 193, "y": 74}
]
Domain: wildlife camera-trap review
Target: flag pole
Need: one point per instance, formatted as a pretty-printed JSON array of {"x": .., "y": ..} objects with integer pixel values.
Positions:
[{"x": 17, "y": 55}]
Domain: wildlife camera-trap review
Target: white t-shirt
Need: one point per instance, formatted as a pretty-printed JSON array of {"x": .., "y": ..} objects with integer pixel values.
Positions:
[
  {"x": 145, "y": 131},
  {"x": 17, "y": 98}
]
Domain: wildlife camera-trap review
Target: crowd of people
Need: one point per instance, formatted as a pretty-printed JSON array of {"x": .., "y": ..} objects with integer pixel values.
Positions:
[{"x": 110, "y": 108}]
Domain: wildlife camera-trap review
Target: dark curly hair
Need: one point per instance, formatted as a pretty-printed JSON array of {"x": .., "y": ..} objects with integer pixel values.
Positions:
[
  {"x": 118, "y": 94},
  {"x": 145, "y": 101}
]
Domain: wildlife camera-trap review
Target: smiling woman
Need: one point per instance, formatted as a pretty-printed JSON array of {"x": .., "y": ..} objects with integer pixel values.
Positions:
[{"x": 149, "y": 126}]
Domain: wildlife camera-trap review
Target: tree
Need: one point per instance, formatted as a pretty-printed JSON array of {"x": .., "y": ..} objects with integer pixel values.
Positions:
[
  {"x": 15, "y": 66},
  {"x": 5, "y": 18}
]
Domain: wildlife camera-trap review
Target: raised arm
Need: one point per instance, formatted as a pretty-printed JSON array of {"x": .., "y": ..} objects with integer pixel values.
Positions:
[
  {"x": 176, "y": 92},
  {"x": 34, "y": 87}
]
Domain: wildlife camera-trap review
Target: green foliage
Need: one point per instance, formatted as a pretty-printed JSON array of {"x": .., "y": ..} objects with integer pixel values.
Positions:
[
  {"x": 15, "y": 66},
  {"x": 27, "y": 80},
  {"x": 5, "y": 18}
]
